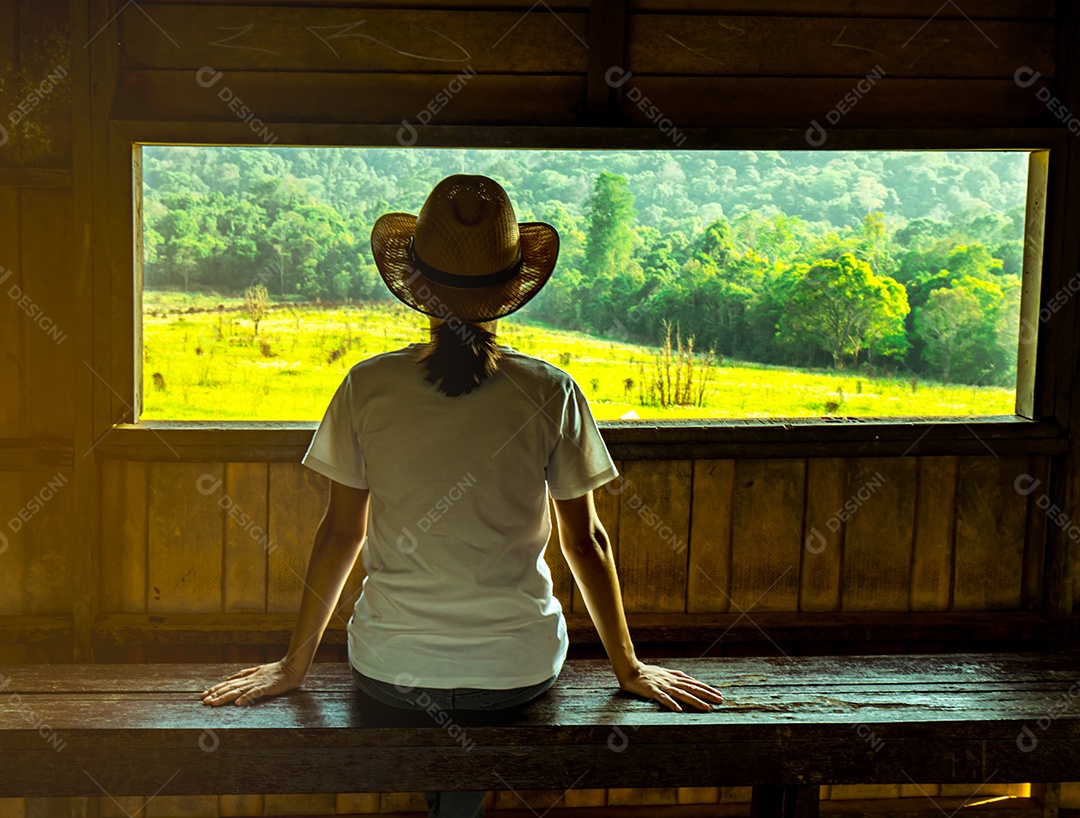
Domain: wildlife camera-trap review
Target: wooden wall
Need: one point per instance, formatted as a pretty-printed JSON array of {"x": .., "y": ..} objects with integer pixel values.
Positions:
[{"x": 119, "y": 556}]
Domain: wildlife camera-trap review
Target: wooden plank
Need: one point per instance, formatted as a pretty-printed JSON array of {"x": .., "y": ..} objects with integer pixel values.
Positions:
[
  {"x": 643, "y": 796},
  {"x": 383, "y": 40},
  {"x": 846, "y": 792},
  {"x": 297, "y": 501},
  {"x": 923, "y": 9},
  {"x": 1034, "y": 235},
  {"x": 532, "y": 802},
  {"x": 29, "y": 454},
  {"x": 585, "y": 798},
  {"x": 654, "y": 517},
  {"x": 244, "y": 499},
  {"x": 35, "y": 177},
  {"x": 979, "y": 700},
  {"x": 125, "y": 176},
  {"x": 880, "y": 508},
  {"x": 122, "y": 806},
  {"x": 124, "y": 541},
  {"x": 9, "y": 51},
  {"x": 13, "y": 542},
  {"x": 181, "y": 806},
  {"x": 86, "y": 562},
  {"x": 767, "y": 539},
  {"x": 48, "y": 322},
  {"x": 299, "y": 804},
  {"x": 44, "y": 136},
  {"x": 807, "y": 627},
  {"x": 699, "y": 795},
  {"x": 12, "y": 358},
  {"x": 1030, "y": 677},
  {"x": 607, "y": 49},
  {"x": 989, "y": 533},
  {"x": 212, "y": 441},
  {"x": 185, "y": 538},
  {"x": 1061, "y": 260},
  {"x": 794, "y": 102},
  {"x": 821, "y": 570},
  {"x": 521, "y": 5},
  {"x": 47, "y": 579},
  {"x": 486, "y": 99},
  {"x": 101, "y": 28},
  {"x": 348, "y": 803},
  {"x": 709, "y": 579},
  {"x": 238, "y": 806},
  {"x": 1033, "y": 584},
  {"x": 935, "y": 529},
  {"x": 33, "y": 629},
  {"x": 805, "y": 46}
]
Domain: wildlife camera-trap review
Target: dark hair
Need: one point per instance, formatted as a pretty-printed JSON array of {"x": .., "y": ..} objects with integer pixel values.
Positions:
[{"x": 459, "y": 358}]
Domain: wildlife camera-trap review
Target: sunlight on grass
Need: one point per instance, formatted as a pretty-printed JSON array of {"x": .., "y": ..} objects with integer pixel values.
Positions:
[{"x": 207, "y": 364}]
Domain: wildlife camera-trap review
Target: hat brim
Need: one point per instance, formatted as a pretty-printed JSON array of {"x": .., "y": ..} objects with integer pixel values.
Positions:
[{"x": 390, "y": 248}]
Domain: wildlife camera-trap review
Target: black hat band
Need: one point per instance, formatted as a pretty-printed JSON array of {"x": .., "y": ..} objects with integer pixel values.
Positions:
[{"x": 456, "y": 280}]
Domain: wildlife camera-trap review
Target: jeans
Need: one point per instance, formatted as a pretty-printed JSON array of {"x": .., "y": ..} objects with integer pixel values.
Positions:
[{"x": 401, "y": 695}]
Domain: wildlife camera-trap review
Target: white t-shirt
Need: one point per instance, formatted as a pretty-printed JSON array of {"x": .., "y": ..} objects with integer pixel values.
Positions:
[{"x": 457, "y": 592}]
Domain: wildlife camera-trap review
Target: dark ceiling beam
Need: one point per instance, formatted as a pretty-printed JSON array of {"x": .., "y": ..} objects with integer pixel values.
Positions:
[{"x": 607, "y": 49}]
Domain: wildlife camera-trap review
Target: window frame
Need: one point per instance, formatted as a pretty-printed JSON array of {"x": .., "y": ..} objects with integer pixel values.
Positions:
[{"x": 1034, "y": 428}]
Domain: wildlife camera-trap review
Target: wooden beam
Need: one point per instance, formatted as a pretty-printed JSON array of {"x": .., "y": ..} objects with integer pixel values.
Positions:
[
  {"x": 35, "y": 177},
  {"x": 171, "y": 131},
  {"x": 35, "y": 455},
  {"x": 654, "y": 628},
  {"x": 1060, "y": 274},
  {"x": 22, "y": 629},
  {"x": 1032, "y": 278},
  {"x": 607, "y": 51},
  {"x": 920, "y": 9},
  {"x": 665, "y": 440}
]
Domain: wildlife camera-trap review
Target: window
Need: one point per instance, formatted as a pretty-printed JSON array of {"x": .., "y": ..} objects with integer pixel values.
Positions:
[{"x": 691, "y": 284}]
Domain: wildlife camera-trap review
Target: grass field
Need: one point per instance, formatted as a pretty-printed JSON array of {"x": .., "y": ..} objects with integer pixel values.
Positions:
[{"x": 208, "y": 364}]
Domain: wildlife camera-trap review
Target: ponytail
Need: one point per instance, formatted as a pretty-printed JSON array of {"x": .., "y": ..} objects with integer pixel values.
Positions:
[{"x": 460, "y": 358}]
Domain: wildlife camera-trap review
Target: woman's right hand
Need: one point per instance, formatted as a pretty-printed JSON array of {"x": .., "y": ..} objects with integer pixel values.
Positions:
[
  {"x": 669, "y": 687},
  {"x": 249, "y": 684}
]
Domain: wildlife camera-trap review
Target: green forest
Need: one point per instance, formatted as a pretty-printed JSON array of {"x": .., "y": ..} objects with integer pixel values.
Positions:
[{"x": 902, "y": 264}]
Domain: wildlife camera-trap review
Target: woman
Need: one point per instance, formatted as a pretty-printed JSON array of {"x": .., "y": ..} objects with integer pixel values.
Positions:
[{"x": 456, "y": 445}]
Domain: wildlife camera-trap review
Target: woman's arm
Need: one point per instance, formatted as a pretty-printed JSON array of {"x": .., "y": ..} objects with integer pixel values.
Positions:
[
  {"x": 585, "y": 545},
  {"x": 337, "y": 545}
]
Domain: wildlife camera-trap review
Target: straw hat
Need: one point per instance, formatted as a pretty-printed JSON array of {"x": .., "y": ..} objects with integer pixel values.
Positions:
[{"x": 465, "y": 256}]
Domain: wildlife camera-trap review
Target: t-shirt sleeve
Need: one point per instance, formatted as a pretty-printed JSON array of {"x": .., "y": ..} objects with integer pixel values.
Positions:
[
  {"x": 580, "y": 461},
  {"x": 335, "y": 448}
]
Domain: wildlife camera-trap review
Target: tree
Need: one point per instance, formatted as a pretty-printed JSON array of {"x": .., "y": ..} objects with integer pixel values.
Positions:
[
  {"x": 609, "y": 243},
  {"x": 608, "y": 236},
  {"x": 842, "y": 307},
  {"x": 256, "y": 304},
  {"x": 947, "y": 325}
]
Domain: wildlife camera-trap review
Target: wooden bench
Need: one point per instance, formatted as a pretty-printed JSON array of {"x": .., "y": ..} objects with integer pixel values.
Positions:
[{"x": 788, "y": 725}]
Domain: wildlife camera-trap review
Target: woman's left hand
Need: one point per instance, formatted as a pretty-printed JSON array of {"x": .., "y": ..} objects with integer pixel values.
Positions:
[{"x": 252, "y": 683}]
